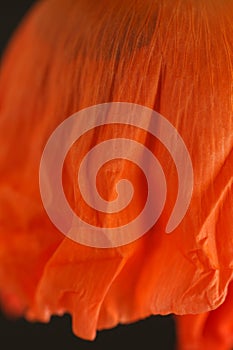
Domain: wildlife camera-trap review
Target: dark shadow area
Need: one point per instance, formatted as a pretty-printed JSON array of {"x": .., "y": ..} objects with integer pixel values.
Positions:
[
  {"x": 156, "y": 332},
  {"x": 11, "y": 13}
]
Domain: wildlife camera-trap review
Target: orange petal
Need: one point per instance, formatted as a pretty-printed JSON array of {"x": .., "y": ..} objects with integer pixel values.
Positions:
[
  {"x": 209, "y": 331},
  {"x": 172, "y": 56}
]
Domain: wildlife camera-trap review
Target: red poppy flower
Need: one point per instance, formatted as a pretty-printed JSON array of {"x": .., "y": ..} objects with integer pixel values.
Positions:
[{"x": 174, "y": 57}]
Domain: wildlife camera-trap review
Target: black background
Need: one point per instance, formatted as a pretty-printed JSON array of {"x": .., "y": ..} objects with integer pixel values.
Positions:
[{"x": 156, "y": 332}]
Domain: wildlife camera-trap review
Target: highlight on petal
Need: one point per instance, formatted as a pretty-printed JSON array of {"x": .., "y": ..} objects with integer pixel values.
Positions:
[{"x": 175, "y": 57}]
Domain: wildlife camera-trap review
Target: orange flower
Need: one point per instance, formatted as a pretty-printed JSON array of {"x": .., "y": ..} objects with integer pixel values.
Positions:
[
  {"x": 210, "y": 330},
  {"x": 172, "y": 56}
]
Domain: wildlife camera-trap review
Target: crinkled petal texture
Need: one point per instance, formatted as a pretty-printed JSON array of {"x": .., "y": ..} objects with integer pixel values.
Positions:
[
  {"x": 210, "y": 330},
  {"x": 175, "y": 57}
]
